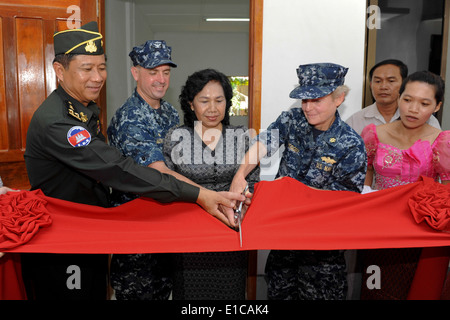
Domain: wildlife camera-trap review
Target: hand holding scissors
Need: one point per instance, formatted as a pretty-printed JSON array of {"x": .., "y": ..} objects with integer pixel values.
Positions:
[{"x": 239, "y": 216}]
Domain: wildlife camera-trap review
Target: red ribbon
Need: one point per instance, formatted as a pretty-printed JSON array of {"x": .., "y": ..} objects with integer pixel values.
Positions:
[{"x": 285, "y": 214}]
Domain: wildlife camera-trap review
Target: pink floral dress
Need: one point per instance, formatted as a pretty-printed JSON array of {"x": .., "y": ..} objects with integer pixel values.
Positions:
[{"x": 394, "y": 167}]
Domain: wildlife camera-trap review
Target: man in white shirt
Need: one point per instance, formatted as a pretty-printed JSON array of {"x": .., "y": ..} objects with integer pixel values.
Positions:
[{"x": 386, "y": 78}]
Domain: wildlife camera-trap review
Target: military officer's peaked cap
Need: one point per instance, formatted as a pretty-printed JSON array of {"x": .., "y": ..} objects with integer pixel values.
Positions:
[
  {"x": 317, "y": 80},
  {"x": 85, "y": 40}
]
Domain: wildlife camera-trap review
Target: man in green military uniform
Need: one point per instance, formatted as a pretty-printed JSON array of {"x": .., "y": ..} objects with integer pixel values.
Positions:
[{"x": 67, "y": 158}]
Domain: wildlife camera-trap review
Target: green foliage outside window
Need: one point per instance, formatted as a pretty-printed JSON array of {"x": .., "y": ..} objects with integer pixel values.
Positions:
[{"x": 240, "y": 96}]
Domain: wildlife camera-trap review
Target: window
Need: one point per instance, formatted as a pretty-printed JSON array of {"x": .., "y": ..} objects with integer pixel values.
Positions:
[{"x": 239, "y": 101}]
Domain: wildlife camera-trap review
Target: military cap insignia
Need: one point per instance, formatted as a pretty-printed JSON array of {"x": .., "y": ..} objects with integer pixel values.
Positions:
[
  {"x": 332, "y": 140},
  {"x": 328, "y": 160},
  {"x": 90, "y": 47}
]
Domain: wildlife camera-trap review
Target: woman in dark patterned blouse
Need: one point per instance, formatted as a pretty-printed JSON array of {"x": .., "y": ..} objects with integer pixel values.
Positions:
[{"x": 208, "y": 150}]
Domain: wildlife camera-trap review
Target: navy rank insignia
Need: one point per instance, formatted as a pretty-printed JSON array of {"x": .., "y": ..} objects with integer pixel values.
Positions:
[{"x": 328, "y": 160}]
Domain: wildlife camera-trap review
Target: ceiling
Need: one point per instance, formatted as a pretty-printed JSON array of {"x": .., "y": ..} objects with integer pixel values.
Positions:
[{"x": 189, "y": 15}]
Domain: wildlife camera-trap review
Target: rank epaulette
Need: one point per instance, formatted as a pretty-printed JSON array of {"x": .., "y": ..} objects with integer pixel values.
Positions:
[{"x": 71, "y": 111}]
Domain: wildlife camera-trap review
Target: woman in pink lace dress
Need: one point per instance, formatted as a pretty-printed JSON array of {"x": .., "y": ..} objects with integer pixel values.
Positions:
[{"x": 399, "y": 153}]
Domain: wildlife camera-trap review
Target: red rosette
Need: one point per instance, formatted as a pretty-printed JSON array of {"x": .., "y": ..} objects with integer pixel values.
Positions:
[
  {"x": 432, "y": 205},
  {"x": 22, "y": 214}
]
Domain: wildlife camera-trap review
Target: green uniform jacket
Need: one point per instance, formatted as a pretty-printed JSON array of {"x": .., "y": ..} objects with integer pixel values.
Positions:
[{"x": 67, "y": 158}]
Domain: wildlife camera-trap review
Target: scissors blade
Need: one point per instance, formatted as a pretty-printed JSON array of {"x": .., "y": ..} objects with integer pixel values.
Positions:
[
  {"x": 240, "y": 231},
  {"x": 238, "y": 219}
]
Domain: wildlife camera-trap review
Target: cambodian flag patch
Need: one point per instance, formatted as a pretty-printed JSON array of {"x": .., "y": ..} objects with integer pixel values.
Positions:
[{"x": 78, "y": 136}]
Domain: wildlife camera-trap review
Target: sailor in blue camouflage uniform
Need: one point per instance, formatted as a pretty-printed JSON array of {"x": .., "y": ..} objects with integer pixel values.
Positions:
[
  {"x": 322, "y": 152},
  {"x": 138, "y": 129}
]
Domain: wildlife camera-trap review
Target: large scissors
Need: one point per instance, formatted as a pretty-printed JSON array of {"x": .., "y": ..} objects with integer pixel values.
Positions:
[{"x": 238, "y": 216}]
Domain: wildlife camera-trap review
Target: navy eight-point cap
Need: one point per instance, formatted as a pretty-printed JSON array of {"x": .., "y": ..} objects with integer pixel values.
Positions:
[
  {"x": 152, "y": 54},
  {"x": 318, "y": 79}
]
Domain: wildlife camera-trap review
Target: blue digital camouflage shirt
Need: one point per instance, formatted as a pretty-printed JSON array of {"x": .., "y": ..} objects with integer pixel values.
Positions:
[
  {"x": 138, "y": 130},
  {"x": 333, "y": 160}
]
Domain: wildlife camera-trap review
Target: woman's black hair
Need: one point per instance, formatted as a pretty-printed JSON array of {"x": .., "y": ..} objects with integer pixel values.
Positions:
[
  {"x": 194, "y": 84},
  {"x": 430, "y": 78}
]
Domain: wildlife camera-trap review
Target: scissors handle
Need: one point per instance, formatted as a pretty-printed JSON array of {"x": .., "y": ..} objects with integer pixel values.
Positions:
[{"x": 238, "y": 211}]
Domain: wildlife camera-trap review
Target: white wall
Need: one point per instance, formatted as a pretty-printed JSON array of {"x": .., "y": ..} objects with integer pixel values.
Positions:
[{"x": 301, "y": 32}]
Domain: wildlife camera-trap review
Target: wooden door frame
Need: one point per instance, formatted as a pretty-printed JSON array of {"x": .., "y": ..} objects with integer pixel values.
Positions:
[
  {"x": 255, "y": 63},
  {"x": 369, "y": 58},
  {"x": 254, "y": 109}
]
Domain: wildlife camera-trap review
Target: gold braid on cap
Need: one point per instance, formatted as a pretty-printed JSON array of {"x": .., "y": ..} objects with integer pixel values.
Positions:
[{"x": 99, "y": 36}]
